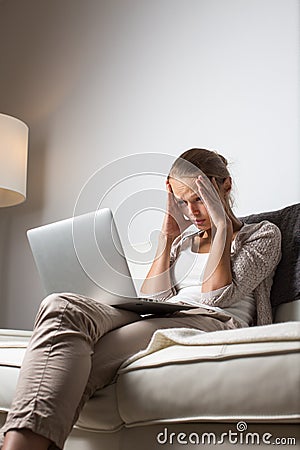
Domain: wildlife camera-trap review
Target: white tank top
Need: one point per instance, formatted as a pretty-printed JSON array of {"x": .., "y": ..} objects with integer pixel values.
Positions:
[{"x": 188, "y": 272}]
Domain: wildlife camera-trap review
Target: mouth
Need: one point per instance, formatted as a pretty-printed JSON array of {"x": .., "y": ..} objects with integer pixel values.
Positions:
[{"x": 199, "y": 222}]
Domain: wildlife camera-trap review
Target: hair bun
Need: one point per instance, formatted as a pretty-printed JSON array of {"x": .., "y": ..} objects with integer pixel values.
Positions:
[{"x": 223, "y": 159}]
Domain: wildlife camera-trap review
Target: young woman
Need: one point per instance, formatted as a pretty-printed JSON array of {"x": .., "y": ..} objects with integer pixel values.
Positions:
[{"x": 222, "y": 266}]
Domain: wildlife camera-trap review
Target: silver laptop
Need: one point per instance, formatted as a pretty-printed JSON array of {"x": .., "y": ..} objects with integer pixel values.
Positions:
[{"x": 84, "y": 255}]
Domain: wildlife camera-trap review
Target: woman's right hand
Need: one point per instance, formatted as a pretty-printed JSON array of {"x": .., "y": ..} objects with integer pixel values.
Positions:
[{"x": 175, "y": 222}]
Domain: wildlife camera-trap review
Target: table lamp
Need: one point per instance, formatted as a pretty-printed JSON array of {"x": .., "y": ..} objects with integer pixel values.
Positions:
[{"x": 13, "y": 160}]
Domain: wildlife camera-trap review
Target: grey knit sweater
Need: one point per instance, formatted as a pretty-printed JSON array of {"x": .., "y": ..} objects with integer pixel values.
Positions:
[{"x": 255, "y": 253}]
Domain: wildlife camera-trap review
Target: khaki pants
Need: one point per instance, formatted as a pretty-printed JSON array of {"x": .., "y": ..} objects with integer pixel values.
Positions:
[{"x": 77, "y": 347}]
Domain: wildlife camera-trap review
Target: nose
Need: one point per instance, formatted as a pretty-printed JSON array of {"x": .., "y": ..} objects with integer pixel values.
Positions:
[{"x": 193, "y": 208}]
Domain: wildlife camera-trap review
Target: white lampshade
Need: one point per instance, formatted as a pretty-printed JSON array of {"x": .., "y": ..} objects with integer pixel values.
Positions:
[{"x": 13, "y": 160}]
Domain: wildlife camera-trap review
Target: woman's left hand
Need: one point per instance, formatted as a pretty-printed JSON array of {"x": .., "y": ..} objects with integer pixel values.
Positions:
[{"x": 215, "y": 205}]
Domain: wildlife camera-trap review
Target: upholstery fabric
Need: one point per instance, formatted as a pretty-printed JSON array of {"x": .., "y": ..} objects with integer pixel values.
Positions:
[
  {"x": 211, "y": 380},
  {"x": 286, "y": 282},
  {"x": 186, "y": 382}
]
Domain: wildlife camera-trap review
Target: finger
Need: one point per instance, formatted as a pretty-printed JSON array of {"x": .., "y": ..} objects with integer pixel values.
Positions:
[
  {"x": 204, "y": 178},
  {"x": 208, "y": 188},
  {"x": 200, "y": 181},
  {"x": 203, "y": 183},
  {"x": 203, "y": 189}
]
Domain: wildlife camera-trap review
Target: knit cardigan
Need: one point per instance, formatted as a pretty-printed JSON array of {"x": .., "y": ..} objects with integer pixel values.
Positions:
[{"x": 255, "y": 254}]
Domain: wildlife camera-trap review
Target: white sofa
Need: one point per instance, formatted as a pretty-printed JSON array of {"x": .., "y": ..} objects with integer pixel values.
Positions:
[{"x": 243, "y": 383}]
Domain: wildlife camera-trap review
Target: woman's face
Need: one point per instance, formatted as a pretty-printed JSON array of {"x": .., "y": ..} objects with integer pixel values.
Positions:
[{"x": 190, "y": 204}]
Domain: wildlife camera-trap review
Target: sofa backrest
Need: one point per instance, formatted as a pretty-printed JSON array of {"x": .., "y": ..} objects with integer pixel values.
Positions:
[{"x": 286, "y": 282}]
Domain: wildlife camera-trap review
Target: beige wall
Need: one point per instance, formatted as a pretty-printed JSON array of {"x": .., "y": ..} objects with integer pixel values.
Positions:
[{"x": 99, "y": 79}]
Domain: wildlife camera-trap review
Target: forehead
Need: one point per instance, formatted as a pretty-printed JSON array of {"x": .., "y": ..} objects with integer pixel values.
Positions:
[{"x": 185, "y": 187}]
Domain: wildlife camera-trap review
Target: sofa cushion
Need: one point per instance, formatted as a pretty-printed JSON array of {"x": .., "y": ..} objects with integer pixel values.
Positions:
[
  {"x": 13, "y": 344},
  {"x": 243, "y": 367},
  {"x": 100, "y": 413},
  {"x": 246, "y": 374},
  {"x": 286, "y": 282}
]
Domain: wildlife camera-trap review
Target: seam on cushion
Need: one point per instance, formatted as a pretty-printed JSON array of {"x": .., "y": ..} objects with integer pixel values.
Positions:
[
  {"x": 219, "y": 357},
  {"x": 99, "y": 430},
  {"x": 215, "y": 418}
]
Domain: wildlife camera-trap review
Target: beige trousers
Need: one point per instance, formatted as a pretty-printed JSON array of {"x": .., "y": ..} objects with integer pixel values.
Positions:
[{"x": 77, "y": 347}]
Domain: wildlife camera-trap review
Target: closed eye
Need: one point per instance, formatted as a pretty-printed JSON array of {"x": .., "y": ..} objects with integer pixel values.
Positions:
[{"x": 183, "y": 202}]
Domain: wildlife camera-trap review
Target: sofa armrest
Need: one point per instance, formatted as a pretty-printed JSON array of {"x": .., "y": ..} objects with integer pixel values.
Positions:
[{"x": 287, "y": 312}]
